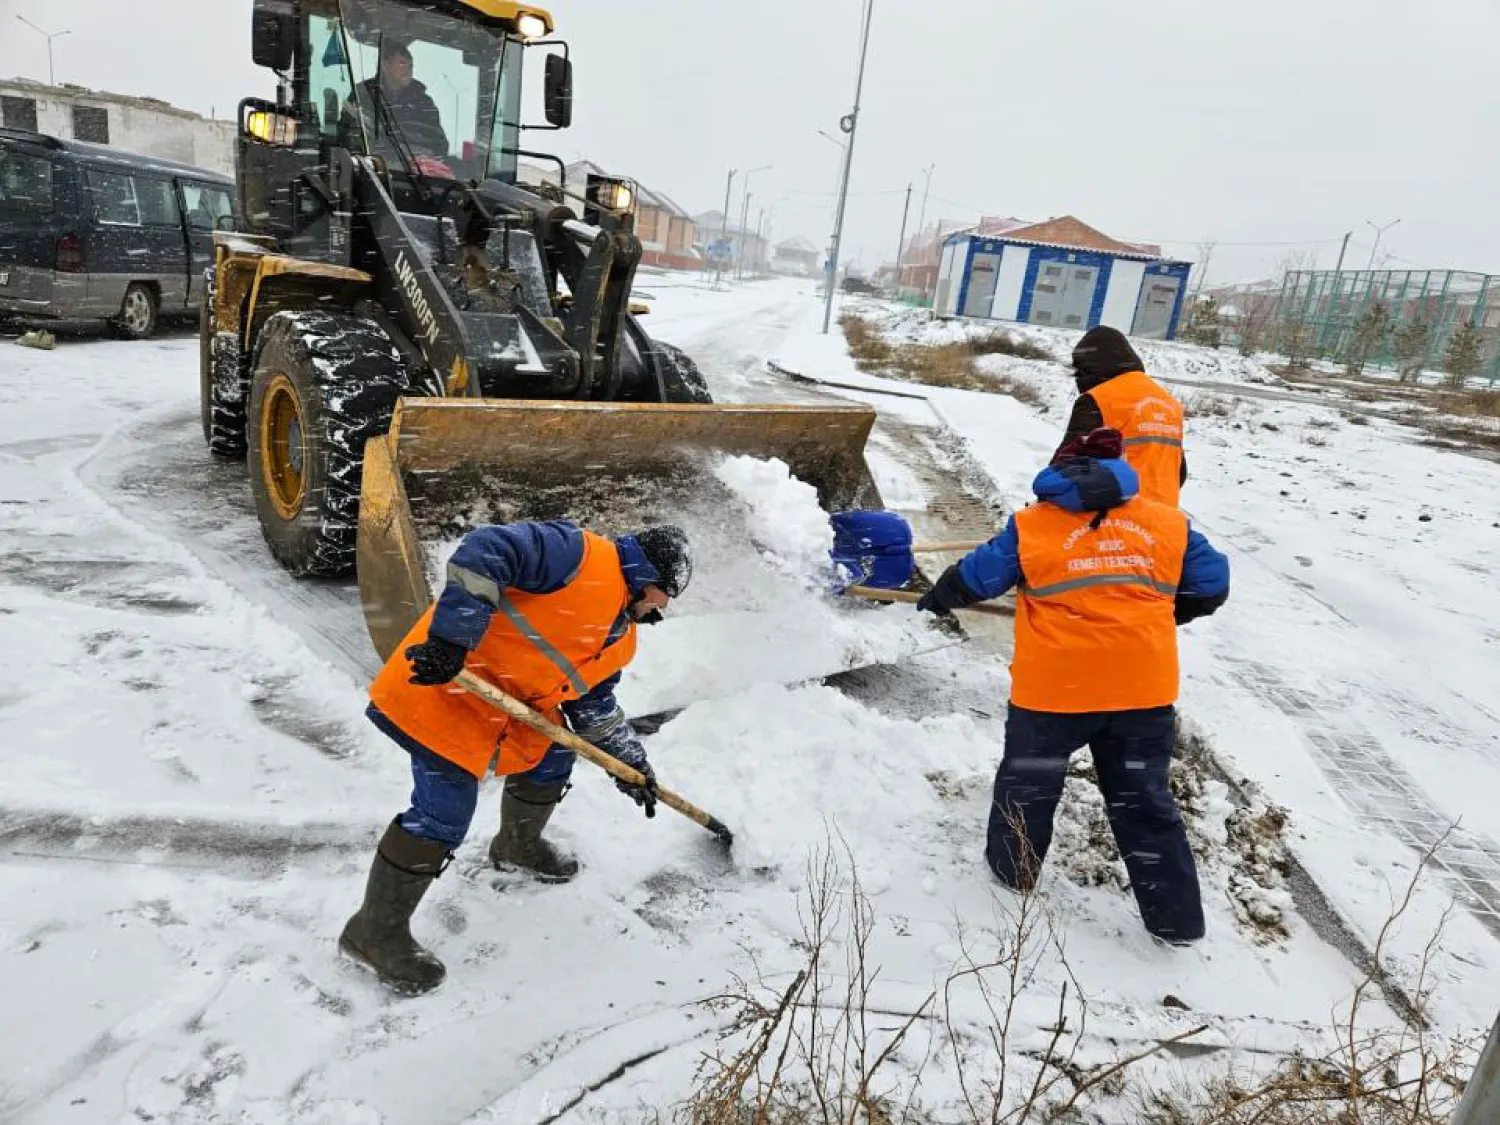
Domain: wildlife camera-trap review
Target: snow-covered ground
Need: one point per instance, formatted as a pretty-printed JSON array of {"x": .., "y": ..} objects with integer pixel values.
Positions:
[{"x": 189, "y": 795}]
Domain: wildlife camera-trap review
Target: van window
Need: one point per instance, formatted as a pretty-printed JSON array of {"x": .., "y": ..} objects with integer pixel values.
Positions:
[
  {"x": 206, "y": 205},
  {"x": 114, "y": 198},
  {"x": 25, "y": 183},
  {"x": 158, "y": 202}
]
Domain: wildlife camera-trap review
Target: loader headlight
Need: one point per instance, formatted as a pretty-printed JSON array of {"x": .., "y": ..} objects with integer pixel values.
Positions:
[
  {"x": 530, "y": 26},
  {"x": 271, "y": 128},
  {"x": 611, "y": 195}
]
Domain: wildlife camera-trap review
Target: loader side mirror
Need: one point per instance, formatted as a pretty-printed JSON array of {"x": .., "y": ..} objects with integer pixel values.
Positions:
[
  {"x": 273, "y": 34},
  {"x": 557, "y": 95}
]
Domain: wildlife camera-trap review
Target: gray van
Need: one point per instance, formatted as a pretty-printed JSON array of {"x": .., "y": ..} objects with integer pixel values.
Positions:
[{"x": 93, "y": 233}]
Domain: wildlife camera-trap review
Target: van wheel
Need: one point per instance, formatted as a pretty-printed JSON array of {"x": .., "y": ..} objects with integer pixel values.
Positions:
[
  {"x": 221, "y": 395},
  {"x": 137, "y": 318},
  {"x": 323, "y": 384}
]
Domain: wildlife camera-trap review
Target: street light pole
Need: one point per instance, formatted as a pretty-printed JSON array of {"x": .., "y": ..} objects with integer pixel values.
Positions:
[
  {"x": 901, "y": 242},
  {"x": 745, "y": 216},
  {"x": 922, "y": 214},
  {"x": 1378, "y": 232},
  {"x": 48, "y": 36},
  {"x": 849, "y": 124}
]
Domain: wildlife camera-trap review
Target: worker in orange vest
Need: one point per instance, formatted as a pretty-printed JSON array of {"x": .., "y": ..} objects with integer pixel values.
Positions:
[
  {"x": 547, "y": 612},
  {"x": 1115, "y": 391},
  {"x": 1104, "y": 576}
]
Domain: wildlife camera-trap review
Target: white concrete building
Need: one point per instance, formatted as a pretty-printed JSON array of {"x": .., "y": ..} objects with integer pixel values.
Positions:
[{"x": 143, "y": 125}]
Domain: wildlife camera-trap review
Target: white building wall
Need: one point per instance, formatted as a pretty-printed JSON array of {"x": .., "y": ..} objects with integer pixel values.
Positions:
[
  {"x": 1124, "y": 290},
  {"x": 950, "y": 269},
  {"x": 135, "y": 126},
  {"x": 1010, "y": 282}
]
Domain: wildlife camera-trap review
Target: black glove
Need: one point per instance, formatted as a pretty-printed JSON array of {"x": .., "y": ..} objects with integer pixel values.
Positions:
[
  {"x": 950, "y": 593},
  {"x": 643, "y": 795},
  {"x": 435, "y": 661},
  {"x": 1190, "y": 607}
]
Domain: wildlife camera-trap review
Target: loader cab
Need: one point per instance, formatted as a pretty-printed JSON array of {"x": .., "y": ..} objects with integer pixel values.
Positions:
[{"x": 432, "y": 90}]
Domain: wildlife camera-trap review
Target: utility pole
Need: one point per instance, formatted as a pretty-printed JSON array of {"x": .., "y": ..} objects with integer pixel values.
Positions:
[
  {"x": 849, "y": 124},
  {"x": 745, "y": 217},
  {"x": 922, "y": 217},
  {"x": 901, "y": 242},
  {"x": 1378, "y": 232},
  {"x": 1340, "y": 266},
  {"x": 48, "y": 36},
  {"x": 724, "y": 226}
]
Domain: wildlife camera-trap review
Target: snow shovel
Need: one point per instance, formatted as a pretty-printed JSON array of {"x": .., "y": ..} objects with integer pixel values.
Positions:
[
  {"x": 881, "y": 595},
  {"x": 587, "y": 750}
]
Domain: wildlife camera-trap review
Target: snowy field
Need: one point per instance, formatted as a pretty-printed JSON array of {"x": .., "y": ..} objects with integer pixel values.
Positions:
[{"x": 190, "y": 796}]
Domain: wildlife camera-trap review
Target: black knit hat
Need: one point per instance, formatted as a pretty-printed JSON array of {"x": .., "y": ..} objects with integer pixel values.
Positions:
[
  {"x": 1101, "y": 354},
  {"x": 666, "y": 548}
]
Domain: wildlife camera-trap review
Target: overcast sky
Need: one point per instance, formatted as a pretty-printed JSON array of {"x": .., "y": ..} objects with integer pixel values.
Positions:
[{"x": 1250, "y": 124}]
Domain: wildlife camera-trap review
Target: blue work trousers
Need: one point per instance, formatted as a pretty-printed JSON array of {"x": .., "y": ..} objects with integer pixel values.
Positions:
[{"x": 1132, "y": 751}]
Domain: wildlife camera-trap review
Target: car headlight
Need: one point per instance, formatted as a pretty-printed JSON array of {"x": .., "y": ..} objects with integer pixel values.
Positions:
[{"x": 530, "y": 26}]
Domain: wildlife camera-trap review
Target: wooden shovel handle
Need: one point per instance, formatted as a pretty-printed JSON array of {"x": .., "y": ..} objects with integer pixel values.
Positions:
[
  {"x": 948, "y": 545},
  {"x": 992, "y": 609},
  {"x": 587, "y": 750}
]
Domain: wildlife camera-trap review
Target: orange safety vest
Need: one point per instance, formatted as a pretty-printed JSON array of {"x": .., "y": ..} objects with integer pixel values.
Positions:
[
  {"x": 1150, "y": 420},
  {"x": 543, "y": 649},
  {"x": 1094, "y": 615}
]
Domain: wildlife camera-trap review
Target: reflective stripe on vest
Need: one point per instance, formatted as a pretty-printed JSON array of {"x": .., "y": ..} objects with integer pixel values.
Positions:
[
  {"x": 1095, "y": 628},
  {"x": 487, "y": 591},
  {"x": 1149, "y": 419},
  {"x": 1098, "y": 580}
]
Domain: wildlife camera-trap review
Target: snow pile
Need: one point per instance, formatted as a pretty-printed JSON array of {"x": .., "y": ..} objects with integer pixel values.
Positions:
[{"x": 784, "y": 517}]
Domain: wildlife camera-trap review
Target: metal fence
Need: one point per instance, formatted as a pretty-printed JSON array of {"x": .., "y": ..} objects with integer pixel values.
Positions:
[{"x": 1333, "y": 314}]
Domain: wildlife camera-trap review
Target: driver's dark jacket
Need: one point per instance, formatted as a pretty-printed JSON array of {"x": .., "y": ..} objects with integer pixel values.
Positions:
[{"x": 414, "y": 112}]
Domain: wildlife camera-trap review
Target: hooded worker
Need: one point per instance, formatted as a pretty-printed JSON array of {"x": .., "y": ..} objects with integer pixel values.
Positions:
[
  {"x": 547, "y": 612},
  {"x": 397, "y": 110},
  {"x": 1115, "y": 391},
  {"x": 1103, "y": 577}
]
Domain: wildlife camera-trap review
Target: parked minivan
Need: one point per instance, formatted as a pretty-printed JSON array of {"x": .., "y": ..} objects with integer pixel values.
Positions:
[{"x": 93, "y": 233}]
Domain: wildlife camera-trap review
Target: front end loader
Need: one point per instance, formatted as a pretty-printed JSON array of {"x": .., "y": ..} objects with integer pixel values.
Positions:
[{"x": 398, "y": 301}]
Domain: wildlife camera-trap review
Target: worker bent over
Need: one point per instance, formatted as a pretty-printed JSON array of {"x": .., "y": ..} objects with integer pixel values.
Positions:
[
  {"x": 1115, "y": 391},
  {"x": 1103, "y": 576},
  {"x": 547, "y": 613}
]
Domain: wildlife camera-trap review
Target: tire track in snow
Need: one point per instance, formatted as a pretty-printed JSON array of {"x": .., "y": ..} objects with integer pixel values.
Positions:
[{"x": 1382, "y": 791}]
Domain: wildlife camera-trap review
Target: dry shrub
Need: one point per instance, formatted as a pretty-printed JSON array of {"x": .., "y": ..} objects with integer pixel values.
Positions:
[
  {"x": 1473, "y": 404},
  {"x": 949, "y": 365},
  {"x": 1403, "y": 1075},
  {"x": 1002, "y": 343},
  {"x": 1203, "y": 404},
  {"x": 820, "y": 1051}
]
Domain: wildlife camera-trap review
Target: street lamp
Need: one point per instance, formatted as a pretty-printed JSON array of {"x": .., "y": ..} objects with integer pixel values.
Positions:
[
  {"x": 1378, "y": 232},
  {"x": 848, "y": 125},
  {"x": 745, "y": 212},
  {"x": 48, "y": 36}
]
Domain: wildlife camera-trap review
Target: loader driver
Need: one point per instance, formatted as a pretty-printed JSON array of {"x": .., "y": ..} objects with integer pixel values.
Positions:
[
  {"x": 400, "y": 105},
  {"x": 548, "y": 613}
]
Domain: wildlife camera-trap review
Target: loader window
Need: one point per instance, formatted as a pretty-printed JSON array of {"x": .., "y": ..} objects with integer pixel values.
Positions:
[{"x": 424, "y": 84}]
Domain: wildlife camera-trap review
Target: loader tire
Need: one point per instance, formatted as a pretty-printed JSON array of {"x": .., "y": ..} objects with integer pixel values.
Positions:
[
  {"x": 323, "y": 383},
  {"x": 221, "y": 391},
  {"x": 681, "y": 381}
]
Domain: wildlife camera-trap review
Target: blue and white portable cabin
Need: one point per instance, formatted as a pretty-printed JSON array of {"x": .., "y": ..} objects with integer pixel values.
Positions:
[{"x": 1063, "y": 274}]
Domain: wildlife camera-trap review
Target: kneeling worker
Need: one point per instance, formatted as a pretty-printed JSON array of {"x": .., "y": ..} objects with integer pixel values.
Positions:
[
  {"x": 1103, "y": 578},
  {"x": 547, "y": 612}
]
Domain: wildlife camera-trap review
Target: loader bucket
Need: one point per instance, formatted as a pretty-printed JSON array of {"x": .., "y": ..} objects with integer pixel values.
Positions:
[{"x": 448, "y": 465}]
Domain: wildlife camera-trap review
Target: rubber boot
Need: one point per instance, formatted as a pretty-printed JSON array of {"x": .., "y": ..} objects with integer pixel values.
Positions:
[
  {"x": 525, "y": 809},
  {"x": 379, "y": 934}
]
